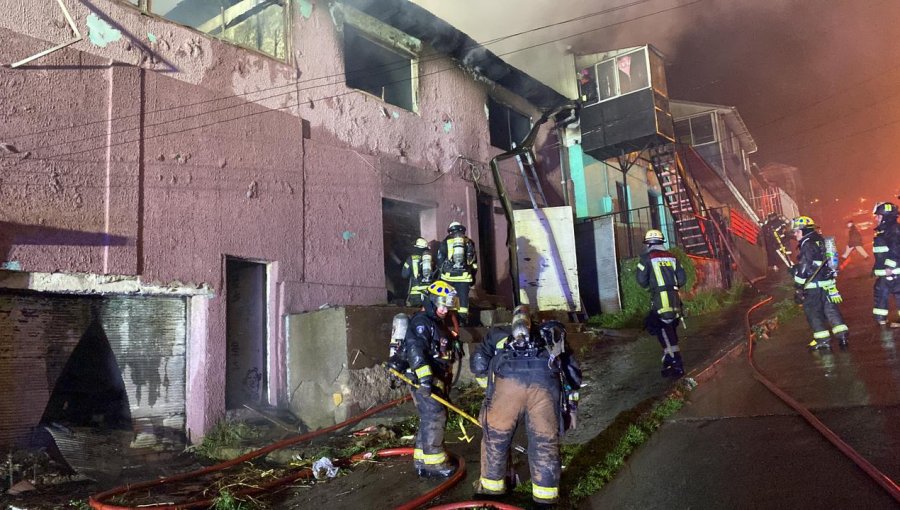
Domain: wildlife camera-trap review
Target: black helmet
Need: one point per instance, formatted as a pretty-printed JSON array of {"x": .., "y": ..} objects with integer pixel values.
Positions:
[{"x": 885, "y": 209}]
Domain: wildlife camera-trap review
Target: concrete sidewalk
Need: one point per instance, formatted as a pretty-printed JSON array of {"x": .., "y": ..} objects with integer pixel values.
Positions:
[{"x": 734, "y": 445}]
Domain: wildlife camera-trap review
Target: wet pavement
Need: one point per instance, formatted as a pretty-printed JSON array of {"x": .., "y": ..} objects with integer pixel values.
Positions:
[{"x": 735, "y": 445}]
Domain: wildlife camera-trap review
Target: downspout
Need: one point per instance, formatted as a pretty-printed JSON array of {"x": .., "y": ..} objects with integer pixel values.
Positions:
[
  {"x": 526, "y": 147},
  {"x": 564, "y": 164}
]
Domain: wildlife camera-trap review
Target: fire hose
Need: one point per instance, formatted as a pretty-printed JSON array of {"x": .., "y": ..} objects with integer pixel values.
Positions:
[
  {"x": 880, "y": 478},
  {"x": 97, "y": 501}
]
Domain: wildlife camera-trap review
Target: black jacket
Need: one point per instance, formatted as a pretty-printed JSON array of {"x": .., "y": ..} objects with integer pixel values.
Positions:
[
  {"x": 812, "y": 266},
  {"x": 426, "y": 338}
]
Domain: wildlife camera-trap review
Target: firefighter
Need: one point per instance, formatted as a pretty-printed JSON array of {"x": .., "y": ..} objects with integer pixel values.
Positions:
[
  {"x": 458, "y": 264},
  {"x": 419, "y": 270},
  {"x": 814, "y": 279},
  {"x": 887, "y": 257},
  {"x": 528, "y": 373},
  {"x": 661, "y": 274},
  {"x": 429, "y": 355}
]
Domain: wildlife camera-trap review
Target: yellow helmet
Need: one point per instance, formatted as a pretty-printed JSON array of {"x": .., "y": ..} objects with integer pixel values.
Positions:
[
  {"x": 421, "y": 243},
  {"x": 801, "y": 222},
  {"x": 443, "y": 294},
  {"x": 654, "y": 237}
]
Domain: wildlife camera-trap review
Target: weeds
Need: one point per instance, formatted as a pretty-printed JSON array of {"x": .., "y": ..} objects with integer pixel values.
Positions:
[
  {"x": 786, "y": 310},
  {"x": 585, "y": 475},
  {"x": 226, "y": 501},
  {"x": 78, "y": 504},
  {"x": 224, "y": 435},
  {"x": 636, "y": 300}
]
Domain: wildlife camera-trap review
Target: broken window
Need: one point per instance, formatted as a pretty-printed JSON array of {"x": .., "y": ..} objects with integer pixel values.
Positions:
[
  {"x": 255, "y": 24},
  {"x": 508, "y": 127},
  {"x": 378, "y": 70}
]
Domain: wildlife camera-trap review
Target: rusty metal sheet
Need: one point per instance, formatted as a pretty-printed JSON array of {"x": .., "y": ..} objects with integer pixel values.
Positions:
[{"x": 147, "y": 335}]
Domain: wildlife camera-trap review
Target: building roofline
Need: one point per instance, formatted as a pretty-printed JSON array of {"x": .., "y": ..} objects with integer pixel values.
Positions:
[
  {"x": 448, "y": 40},
  {"x": 732, "y": 117}
]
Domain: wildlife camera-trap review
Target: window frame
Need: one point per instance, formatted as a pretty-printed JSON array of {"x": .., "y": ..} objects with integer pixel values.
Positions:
[
  {"x": 413, "y": 65},
  {"x": 614, "y": 60},
  {"x": 145, "y": 9},
  {"x": 713, "y": 121},
  {"x": 507, "y": 109}
]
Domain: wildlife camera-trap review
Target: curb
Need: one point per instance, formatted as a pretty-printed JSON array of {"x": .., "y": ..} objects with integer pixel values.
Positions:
[{"x": 712, "y": 369}]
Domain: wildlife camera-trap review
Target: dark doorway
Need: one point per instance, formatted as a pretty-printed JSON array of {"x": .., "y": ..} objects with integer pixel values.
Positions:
[
  {"x": 487, "y": 264},
  {"x": 90, "y": 390},
  {"x": 246, "y": 375},
  {"x": 401, "y": 224}
]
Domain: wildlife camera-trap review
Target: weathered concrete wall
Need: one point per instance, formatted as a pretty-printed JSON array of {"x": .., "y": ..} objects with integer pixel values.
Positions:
[
  {"x": 333, "y": 359},
  {"x": 160, "y": 153}
]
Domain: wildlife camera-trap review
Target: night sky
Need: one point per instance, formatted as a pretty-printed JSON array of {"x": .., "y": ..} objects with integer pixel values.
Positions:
[{"x": 816, "y": 81}]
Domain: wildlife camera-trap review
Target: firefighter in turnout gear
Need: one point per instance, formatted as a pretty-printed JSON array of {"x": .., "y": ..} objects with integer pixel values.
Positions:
[
  {"x": 887, "y": 258},
  {"x": 659, "y": 272},
  {"x": 458, "y": 264},
  {"x": 814, "y": 279},
  {"x": 419, "y": 270},
  {"x": 528, "y": 373},
  {"x": 429, "y": 355}
]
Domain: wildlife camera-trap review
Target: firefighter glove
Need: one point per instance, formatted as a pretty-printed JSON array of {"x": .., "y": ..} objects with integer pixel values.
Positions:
[
  {"x": 426, "y": 389},
  {"x": 833, "y": 295},
  {"x": 799, "y": 296}
]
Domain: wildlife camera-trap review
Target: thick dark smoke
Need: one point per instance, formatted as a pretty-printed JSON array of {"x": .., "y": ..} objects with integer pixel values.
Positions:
[{"x": 817, "y": 81}]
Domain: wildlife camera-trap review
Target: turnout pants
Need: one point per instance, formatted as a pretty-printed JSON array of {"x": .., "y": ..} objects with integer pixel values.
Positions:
[
  {"x": 462, "y": 292},
  {"x": 537, "y": 400},
  {"x": 667, "y": 334},
  {"x": 429, "y": 451},
  {"x": 823, "y": 316},
  {"x": 884, "y": 287}
]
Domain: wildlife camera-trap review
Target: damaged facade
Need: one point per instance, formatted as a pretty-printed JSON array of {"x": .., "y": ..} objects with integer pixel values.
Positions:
[{"x": 170, "y": 197}]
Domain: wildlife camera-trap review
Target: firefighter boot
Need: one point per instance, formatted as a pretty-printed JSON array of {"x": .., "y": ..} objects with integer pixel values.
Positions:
[
  {"x": 844, "y": 341},
  {"x": 820, "y": 345},
  {"x": 442, "y": 470}
]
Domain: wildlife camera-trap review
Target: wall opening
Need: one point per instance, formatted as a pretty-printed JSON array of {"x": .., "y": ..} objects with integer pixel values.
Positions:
[
  {"x": 401, "y": 225},
  {"x": 378, "y": 70},
  {"x": 246, "y": 332},
  {"x": 90, "y": 391}
]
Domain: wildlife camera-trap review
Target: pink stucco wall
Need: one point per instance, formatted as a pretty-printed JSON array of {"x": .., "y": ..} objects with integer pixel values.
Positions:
[{"x": 186, "y": 150}]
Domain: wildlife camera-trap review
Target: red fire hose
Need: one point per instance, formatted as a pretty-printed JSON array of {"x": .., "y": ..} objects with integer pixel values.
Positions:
[
  {"x": 880, "y": 478},
  {"x": 97, "y": 501}
]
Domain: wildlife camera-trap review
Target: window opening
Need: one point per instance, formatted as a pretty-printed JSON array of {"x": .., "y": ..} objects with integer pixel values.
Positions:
[
  {"x": 378, "y": 70},
  {"x": 508, "y": 128},
  {"x": 255, "y": 24}
]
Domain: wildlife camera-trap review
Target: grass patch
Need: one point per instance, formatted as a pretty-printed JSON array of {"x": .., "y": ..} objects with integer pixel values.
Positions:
[{"x": 592, "y": 465}]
